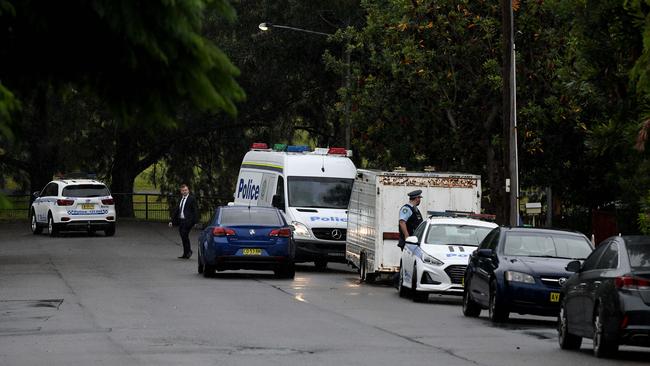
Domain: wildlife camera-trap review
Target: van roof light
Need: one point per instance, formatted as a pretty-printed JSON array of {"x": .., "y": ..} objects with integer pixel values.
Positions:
[
  {"x": 297, "y": 148},
  {"x": 337, "y": 151},
  {"x": 259, "y": 146},
  {"x": 279, "y": 147},
  {"x": 321, "y": 151}
]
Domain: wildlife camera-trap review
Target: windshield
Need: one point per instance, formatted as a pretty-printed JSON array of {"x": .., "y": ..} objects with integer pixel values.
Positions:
[
  {"x": 86, "y": 190},
  {"x": 456, "y": 234},
  {"x": 319, "y": 192},
  {"x": 252, "y": 216},
  {"x": 639, "y": 256},
  {"x": 546, "y": 245}
]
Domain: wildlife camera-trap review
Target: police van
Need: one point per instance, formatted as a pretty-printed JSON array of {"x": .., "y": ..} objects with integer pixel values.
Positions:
[{"x": 313, "y": 189}]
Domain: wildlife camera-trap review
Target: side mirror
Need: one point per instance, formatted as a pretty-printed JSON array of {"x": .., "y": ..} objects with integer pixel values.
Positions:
[
  {"x": 278, "y": 202},
  {"x": 412, "y": 240},
  {"x": 36, "y": 194},
  {"x": 485, "y": 253},
  {"x": 293, "y": 228},
  {"x": 573, "y": 266}
]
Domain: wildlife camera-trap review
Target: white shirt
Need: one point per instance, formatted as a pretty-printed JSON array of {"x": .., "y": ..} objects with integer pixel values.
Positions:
[{"x": 182, "y": 205}]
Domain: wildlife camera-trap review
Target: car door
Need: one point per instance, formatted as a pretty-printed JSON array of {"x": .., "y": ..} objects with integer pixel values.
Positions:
[
  {"x": 411, "y": 251},
  {"x": 484, "y": 268},
  {"x": 577, "y": 290},
  {"x": 46, "y": 200},
  {"x": 595, "y": 280}
]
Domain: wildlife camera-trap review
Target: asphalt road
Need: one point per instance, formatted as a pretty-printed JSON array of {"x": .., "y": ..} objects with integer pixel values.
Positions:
[{"x": 127, "y": 300}]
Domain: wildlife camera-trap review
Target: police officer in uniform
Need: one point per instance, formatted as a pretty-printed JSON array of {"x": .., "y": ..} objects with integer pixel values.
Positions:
[{"x": 409, "y": 217}]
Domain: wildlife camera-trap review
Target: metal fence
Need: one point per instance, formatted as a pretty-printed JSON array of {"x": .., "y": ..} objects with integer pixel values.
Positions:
[{"x": 144, "y": 206}]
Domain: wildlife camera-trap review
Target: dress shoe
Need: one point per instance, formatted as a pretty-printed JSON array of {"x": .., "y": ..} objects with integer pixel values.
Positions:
[
  {"x": 183, "y": 257},
  {"x": 189, "y": 255}
]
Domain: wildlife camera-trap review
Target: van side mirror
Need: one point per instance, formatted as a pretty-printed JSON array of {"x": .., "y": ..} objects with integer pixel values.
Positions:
[
  {"x": 573, "y": 266},
  {"x": 412, "y": 240},
  {"x": 278, "y": 202},
  {"x": 485, "y": 253}
]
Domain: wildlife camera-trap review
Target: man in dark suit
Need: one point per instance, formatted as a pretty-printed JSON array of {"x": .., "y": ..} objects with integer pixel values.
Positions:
[{"x": 185, "y": 216}]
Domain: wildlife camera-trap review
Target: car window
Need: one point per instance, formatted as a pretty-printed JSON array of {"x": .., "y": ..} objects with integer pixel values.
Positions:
[
  {"x": 609, "y": 259},
  {"x": 592, "y": 260},
  {"x": 51, "y": 190},
  {"x": 252, "y": 216},
  {"x": 639, "y": 256},
  {"x": 494, "y": 241},
  {"x": 86, "y": 190},
  {"x": 486, "y": 241},
  {"x": 456, "y": 234},
  {"x": 546, "y": 245},
  {"x": 420, "y": 230}
]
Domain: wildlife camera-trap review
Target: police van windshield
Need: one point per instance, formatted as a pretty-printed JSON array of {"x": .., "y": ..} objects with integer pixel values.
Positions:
[
  {"x": 319, "y": 192},
  {"x": 456, "y": 234},
  {"x": 86, "y": 190}
]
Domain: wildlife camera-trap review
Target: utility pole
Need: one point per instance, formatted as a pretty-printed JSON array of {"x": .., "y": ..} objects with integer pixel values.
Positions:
[{"x": 510, "y": 112}]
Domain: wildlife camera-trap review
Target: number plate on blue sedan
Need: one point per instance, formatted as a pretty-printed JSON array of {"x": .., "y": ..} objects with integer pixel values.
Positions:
[
  {"x": 252, "y": 251},
  {"x": 555, "y": 297}
]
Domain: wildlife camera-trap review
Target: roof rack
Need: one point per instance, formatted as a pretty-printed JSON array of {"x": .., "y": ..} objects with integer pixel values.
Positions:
[{"x": 466, "y": 214}]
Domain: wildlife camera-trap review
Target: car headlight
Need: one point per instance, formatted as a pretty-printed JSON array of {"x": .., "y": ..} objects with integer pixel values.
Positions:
[
  {"x": 300, "y": 231},
  {"x": 431, "y": 260},
  {"x": 512, "y": 276}
]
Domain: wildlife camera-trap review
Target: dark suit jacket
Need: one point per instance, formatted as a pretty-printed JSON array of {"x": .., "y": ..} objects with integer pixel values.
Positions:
[{"x": 190, "y": 211}]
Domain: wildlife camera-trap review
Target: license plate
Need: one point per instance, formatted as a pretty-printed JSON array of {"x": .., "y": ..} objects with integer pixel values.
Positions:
[
  {"x": 555, "y": 297},
  {"x": 252, "y": 251},
  {"x": 87, "y": 206}
]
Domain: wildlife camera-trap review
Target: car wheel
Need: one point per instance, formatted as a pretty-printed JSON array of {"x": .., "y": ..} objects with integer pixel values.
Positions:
[
  {"x": 208, "y": 271},
  {"x": 35, "y": 228},
  {"x": 418, "y": 296},
  {"x": 604, "y": 345},
  {"x": 566, "y": 339},
  {"x": 199, "y": 262},
  {"x": 321, "y": 264},
  {"x": 110, "y": 231},
  {"x": 403, "y": 291},
  {"x": 498, "y": 311},
  {"x": 470, "y": 307},
  {"x": 286, "y": 271},
  {"x": 51, "y": 227}
]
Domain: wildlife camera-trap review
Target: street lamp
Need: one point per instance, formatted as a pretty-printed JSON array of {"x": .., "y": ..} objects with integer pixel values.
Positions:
[{"x": 266, "y": 26}]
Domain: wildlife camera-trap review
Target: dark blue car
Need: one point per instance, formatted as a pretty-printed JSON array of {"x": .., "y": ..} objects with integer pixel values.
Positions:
[
  {"x": 520, "y": 270},
  {"x": 242, "y": 237}
]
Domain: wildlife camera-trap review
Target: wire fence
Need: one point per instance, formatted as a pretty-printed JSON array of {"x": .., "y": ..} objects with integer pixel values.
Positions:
[{"x": 144, "y": 206}]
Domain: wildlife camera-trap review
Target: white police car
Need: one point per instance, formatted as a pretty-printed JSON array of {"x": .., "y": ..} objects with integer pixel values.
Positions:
[
  {"x": 73, "y": 204},
  {"x": 435, "y": 258}
]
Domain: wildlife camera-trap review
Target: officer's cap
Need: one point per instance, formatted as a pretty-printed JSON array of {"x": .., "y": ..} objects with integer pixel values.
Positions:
[{"x": 415, "y": 194}]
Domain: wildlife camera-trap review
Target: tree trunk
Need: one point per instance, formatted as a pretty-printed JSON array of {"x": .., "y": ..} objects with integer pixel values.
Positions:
[
  {"x": 42, "y": 146},
  {"x": 125, "y": 169}
]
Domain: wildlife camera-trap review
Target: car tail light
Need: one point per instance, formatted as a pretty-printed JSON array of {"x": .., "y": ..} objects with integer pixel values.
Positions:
[
  {"x": 337, "y": 151},
  {"x": 108, "y": 201},
  {"x": 222, "y": 231},
  {"x": 391, "y": 236},
  {"x": 64, "y": 202},
  {"x": 283, "y": 233},
  {"x": 632, "y": 283}
]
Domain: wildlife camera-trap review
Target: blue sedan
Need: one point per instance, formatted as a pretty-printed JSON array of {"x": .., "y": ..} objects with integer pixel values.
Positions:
[
  {"x": 520, "y": 270},
  {"x": 242, "y": 237}
]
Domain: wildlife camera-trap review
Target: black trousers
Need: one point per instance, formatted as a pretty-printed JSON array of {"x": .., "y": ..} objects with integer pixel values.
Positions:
[{"x": 184, "y": 229}]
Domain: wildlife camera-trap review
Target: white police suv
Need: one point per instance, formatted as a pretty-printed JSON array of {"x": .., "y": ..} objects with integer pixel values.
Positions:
[
  {"x": 435, "y": 257},
  {"x": 73, "y": 205}
]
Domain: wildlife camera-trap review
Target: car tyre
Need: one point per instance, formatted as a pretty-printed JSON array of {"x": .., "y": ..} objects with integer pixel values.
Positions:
[
  {"x": 110, "y": 231},
  {"x": 286, "y": 271},
  {"x": 604, "y": 344},
  {"x": 498, "y": 311},
  {"x": 208, "y": 271},
  {"x": 199, "y": 262},
  {"x": 36, "y": 229},
  {"x": 51, "y": 227},
  {"x": 403, "y": 291},
  {"x": 418, "y": 296},
  {"x": 321, "y": 264},
  {"x": 471, "y": 308},
  {"x": 567, "y": 340}
]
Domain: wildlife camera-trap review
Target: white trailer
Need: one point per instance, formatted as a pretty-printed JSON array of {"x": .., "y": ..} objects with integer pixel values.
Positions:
[{"x": 373, "y": 212}]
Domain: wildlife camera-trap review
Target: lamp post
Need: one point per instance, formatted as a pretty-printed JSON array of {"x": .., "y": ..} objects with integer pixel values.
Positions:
[{"x": 266, "y": 26}]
